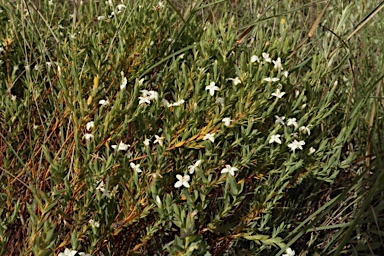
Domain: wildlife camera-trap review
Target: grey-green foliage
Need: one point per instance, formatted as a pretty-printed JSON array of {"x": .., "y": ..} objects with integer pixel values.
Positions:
[{"x": 78, "y": 180}]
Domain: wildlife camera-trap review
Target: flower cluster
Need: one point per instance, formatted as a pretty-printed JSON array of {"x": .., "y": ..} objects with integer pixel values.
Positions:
[
  {"x": 94, "y": 223},
  {"x": 275, "y": 138},
  {"x": 184, "y": 180},
  {"x": 277, "y": 66},
  {"x": 278, "y": 94},
  {"x": 147, "y": 96}
]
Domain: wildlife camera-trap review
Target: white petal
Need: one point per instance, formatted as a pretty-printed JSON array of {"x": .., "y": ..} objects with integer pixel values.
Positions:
[
  {"x": 198, "y": 162},
  {"x": 178, "y": 184},
  {"x": 90, "y": 125},
  {"x": 158, "y": 200},
  {"x": 254, "y": 58}
]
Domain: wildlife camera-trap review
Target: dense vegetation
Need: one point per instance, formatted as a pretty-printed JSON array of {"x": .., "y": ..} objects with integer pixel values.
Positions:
[{"x": 191, "y": 128}]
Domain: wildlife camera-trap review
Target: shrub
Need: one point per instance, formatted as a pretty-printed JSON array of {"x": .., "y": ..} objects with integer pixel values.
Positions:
[{"x": 149, "y": 132}]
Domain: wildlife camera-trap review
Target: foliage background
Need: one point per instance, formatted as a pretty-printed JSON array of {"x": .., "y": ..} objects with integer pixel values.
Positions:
[{"x": 59, "y": 60}]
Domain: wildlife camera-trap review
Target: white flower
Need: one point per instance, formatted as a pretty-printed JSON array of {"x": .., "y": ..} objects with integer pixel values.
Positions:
[
  {"x": 94, "y": 224},
  {"x": 129, "y": 154},
  {"x": 235, "y": 80},
  {"x": 101, "y": 18},
  {"x": 271, "y": 79},
  {"x": 280, "y": 120},
  {"x": 68, "y": 252},
  {"x": 111, "y": 15},
  {"x": 90, "y": 125},
  {"x": 160, "y": 4},
  {"x": 220, "y": 101},
  {"x": 275, "y": 138},
  {"x": 124, "y": 83},
  {"x": 145, "y": 93},
  {"x": 13, "y": 97},
  {"x": 229, "y": 169},
  {"x": 289, "y": 252},
  {"x": 311, "y": 151},
  {"x": 278, "y": 94},
  {"x": 305, "y": 129},
  {"x": 159, "y": 140},
  {"x": 177, "y": 103},
  {"x": 136, "y": 167},
  {"x": 104, "y": 102},
  {"x": 285, "y": 73},
  {"x": 141, "y": 81},
  {"x": 227, "y": 121},
  {"x": 122, "y": 146},
  {"x": 84, "y": 254},
  {"x": 296, "y": 145},
  {"x": 149, "y": 95},
  {"x": 166, "y": 103},
  {"x": 277, "y": 64},
  {"x": 59, "y": 70},
  {"x": 254, "y": 58},
  {"x": 120, "y": 8},
  {"x": 109, "y": 2},
  {"x": 101, "y": 187},
  {"x": 88, "y": 136},
  {"x": 266, "y": 57},
  {"x": 155, "y": 175},
  {"x": 153, "y": 95},
  {"x": 210, "y": 137},
  {"x": 182, "y": 181},
  {"x": 147, "y": 142},
  {"x": 144, "y": 100},
  {"x": 192, "y": 168},
  {"x": 50, "y": 2},
  {"x": 212, "y": 88},
  {"x": 158, "y": 201},
  {"x": 292, "y": 121}
]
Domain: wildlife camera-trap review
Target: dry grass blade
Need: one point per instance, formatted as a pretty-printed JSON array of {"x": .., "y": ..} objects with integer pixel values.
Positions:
[
  {"x": 317, "y": 21},
  {"x": 313, "y": 28},
  {"x": 370, "y": 124}
]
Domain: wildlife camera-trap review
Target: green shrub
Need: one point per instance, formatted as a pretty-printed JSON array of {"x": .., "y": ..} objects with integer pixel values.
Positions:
[{"x": 151, "y": 132}]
